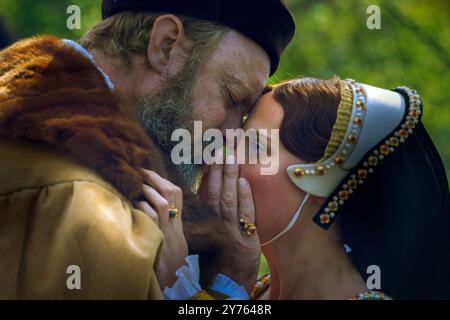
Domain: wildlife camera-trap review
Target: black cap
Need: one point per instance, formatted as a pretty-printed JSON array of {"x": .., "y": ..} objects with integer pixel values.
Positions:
[{"x": 267, "y": 22}]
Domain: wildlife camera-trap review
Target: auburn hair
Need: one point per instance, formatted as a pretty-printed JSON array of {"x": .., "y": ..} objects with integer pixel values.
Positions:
[{"x": 310, "y": 109}]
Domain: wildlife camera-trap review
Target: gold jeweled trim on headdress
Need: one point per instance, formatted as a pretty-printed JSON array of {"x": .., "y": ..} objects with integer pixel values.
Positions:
[
  {"x": 347, "y": 127},
  {"x": 366, "y": 167},
  {"x": 340, "y": 127}
]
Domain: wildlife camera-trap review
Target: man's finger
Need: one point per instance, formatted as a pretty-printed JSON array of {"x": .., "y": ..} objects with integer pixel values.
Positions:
[
  {"x": 212, "y": 189},
  {"x": 246, "y": 203},
  {"x": 229, "y": 201}
]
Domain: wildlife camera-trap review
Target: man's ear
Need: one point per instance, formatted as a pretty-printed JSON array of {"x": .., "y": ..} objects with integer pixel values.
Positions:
[{"x": 168, "y": 46}]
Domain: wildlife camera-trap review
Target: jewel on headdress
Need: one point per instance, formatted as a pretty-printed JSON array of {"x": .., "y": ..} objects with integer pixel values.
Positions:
[
  {"x": 357, "y": 121},
  {"x": 394, "y": 141},
  {"x": 403, "y": 133},
  {"x": 362, "y": 173},
  {"x": 414, "y": 114},
  {"x": 351, "y": 139},
  {"x": 360, "y": 104},
  {"x": 343, "y": 195},
  {"x": 373, "y": 161},
  {"x": 410, "y": 124},
  {"x": 339, "y": 160},
  {"x": 352, "y": 184},
  {"x": 324, "y": 218},
  {"x": 320, "y": 171},
  {"x": 299, "y": 172},
  {"x": 385, "y": 150},
  {"x": 333, "y": 206}
]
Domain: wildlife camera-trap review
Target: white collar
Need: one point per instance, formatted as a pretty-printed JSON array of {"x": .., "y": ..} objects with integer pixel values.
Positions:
[{"x": 85, "y": 53}]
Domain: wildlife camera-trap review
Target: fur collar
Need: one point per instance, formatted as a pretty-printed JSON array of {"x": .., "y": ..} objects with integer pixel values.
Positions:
[{"x": 52, "y": 94}]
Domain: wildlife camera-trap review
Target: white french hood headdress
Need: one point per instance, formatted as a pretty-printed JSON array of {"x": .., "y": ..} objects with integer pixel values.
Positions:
[{"x": 371, "y": 124}]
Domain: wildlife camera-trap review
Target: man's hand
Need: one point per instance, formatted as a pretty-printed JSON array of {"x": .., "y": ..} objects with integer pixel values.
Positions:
[
  {"x": 232, "y": 199},
  {"x": 162, "y": 196}
]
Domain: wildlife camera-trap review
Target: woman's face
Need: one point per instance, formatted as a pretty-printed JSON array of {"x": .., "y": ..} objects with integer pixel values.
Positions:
[{"x": 276, "y": 197}]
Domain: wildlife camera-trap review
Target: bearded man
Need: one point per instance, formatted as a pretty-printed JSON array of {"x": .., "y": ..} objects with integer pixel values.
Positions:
[{"x": 78, "y": 124}]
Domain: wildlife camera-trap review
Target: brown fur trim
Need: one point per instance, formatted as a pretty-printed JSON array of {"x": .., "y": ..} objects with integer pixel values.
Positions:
[{"x": 52, "y": 94}]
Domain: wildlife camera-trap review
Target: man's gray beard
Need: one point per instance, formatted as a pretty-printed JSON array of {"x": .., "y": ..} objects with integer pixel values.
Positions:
[{"x": 169, "y": 109}]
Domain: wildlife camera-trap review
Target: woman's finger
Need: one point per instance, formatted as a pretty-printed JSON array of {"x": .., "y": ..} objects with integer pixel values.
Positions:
[
  {"x": 159, "y": 203},
  {"x": 164, "y": 187},
  {"x": 178, "y": 196},
  {"x": 145, "y": 207}
]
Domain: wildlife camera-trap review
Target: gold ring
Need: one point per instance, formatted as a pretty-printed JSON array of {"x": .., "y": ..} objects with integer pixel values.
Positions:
[
  {"x": 248, "y": 227},
  {"x": 173, "y": 212}
]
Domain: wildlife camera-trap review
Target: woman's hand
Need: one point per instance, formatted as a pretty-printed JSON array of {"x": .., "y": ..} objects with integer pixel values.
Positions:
[
  {"x": 231, "y": 197},
  {"x": 163, "y": 196}
]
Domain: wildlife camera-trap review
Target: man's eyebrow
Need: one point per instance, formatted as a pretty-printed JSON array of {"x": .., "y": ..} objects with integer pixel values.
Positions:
[{"x": 230, "y": 81}]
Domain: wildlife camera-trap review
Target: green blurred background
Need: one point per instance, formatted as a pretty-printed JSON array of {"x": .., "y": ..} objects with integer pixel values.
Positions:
[{"x": 412, "y": 47}]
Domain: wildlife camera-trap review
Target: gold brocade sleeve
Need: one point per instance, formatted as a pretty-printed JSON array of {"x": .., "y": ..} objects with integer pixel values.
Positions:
[{"x": 114, "y": 248}]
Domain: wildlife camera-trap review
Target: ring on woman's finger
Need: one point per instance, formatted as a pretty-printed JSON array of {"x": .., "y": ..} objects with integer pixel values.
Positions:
[
  {"x": 173, "y": 212},
  {"x": 248, "y": 227}
]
